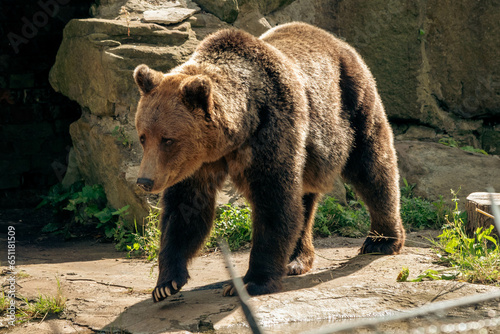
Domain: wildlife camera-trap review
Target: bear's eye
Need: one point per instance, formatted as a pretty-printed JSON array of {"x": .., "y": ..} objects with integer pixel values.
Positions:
[
  {"x": 142, "y": 139},
  {"x": 167, "y": 141}
]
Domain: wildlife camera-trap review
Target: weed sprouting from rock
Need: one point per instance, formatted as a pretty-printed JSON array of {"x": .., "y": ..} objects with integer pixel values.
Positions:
[{"x": 40, "y": 307}]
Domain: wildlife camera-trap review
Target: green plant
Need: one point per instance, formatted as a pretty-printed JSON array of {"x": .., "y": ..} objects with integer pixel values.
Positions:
[
  {"x": 429, "y": 274},
  {"x": 58, "y": 196},
  {"x": 421, "y": 35},
  {"x": 418, "y": 213},
  {"x": 22, "y": 274},
  {"x": 473, "y": 149},
  {"x": 352, "y": 220},
  {"x": 147, "y": 242},
  {"x": 407, "y": 189},
  {"x": 120, "y": 135},
  {"x": 88, "y": 208},
  {"x": 449, "y": 141},
  {"x": 403, "y": 275},
  {"x": 111, "y": 221},
  {"x": 233, "y": 224},
  {"x": 42, "y": 306},
  {"x": 476, "y": 258},
  {"x": 121, "y": 235},
  {"x": 87, "y": 204}
]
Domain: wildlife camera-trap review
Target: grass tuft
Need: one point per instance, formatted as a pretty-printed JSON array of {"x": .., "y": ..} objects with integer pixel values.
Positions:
[
  {"x": 39, "y": 308},
  {"x": 4, "y": 302}
]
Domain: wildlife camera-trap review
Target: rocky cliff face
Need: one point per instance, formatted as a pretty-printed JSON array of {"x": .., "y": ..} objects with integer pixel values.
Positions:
[{"x": 435, "y": 63}]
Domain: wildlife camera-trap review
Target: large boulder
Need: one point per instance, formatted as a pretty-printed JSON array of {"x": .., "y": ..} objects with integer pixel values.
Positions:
[
  {"x": 168, "y": 15},
  {"x": 230, "y": 10},
  {"x": 110, "y": 9},
  {"x": 251, "y": 20},
  {"x": 436, "y": 168},
  {"x": 226, "y": 10}
]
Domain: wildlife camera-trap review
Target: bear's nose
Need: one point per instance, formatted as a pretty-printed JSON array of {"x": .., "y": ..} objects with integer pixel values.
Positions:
[{"x": 146, "y": 184}]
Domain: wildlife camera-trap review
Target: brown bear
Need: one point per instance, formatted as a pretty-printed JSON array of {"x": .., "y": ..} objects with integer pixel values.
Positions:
[{"x": 282, "y": 115}]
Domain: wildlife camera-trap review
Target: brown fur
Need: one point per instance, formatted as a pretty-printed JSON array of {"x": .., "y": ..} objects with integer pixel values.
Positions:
[{"x": 282, "y": 115}]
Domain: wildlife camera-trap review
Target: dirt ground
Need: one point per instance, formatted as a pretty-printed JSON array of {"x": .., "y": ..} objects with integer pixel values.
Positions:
[{"x": 108, "y": 293}]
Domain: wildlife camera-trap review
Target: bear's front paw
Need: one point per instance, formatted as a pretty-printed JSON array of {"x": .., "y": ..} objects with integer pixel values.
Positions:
[
  {"x": 169, "y": 283},
  {"x": 165, "y": 290},
  {"x": 380, "y": 244}
]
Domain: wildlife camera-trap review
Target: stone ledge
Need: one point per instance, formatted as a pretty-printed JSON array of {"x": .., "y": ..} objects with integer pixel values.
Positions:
[{"x": 168, "y": 16}]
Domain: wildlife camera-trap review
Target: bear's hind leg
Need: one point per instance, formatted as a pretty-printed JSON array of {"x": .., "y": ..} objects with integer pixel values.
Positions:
[
  {"x": 302, "y": 257},
  {"x": 372, "y": 170},
  {"x": 387, "y": 234}
]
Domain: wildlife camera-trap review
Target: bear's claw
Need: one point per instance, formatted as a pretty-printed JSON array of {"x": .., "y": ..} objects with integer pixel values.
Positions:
[
  {"x": 228, "y": 290},
  {"x": 162, "y": 292}
]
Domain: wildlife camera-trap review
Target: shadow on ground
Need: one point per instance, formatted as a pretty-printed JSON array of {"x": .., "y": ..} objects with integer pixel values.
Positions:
[
  {"x": 207, "y": 305},
  {"x": 31, "y": 243}
]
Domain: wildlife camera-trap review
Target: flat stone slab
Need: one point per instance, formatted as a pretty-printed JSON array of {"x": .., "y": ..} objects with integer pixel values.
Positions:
[
  {"x": 106, "y": 291},
  {"x": 168, "y": 15}
]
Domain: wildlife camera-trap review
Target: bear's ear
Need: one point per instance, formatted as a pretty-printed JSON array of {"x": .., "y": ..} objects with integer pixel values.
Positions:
[
  {"x": 196, "y": 91},
  {"x": 146, "y": 78}
]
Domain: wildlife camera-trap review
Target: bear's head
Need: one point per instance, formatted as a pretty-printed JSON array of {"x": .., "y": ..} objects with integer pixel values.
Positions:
[{"x": 174, "y": 125}]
